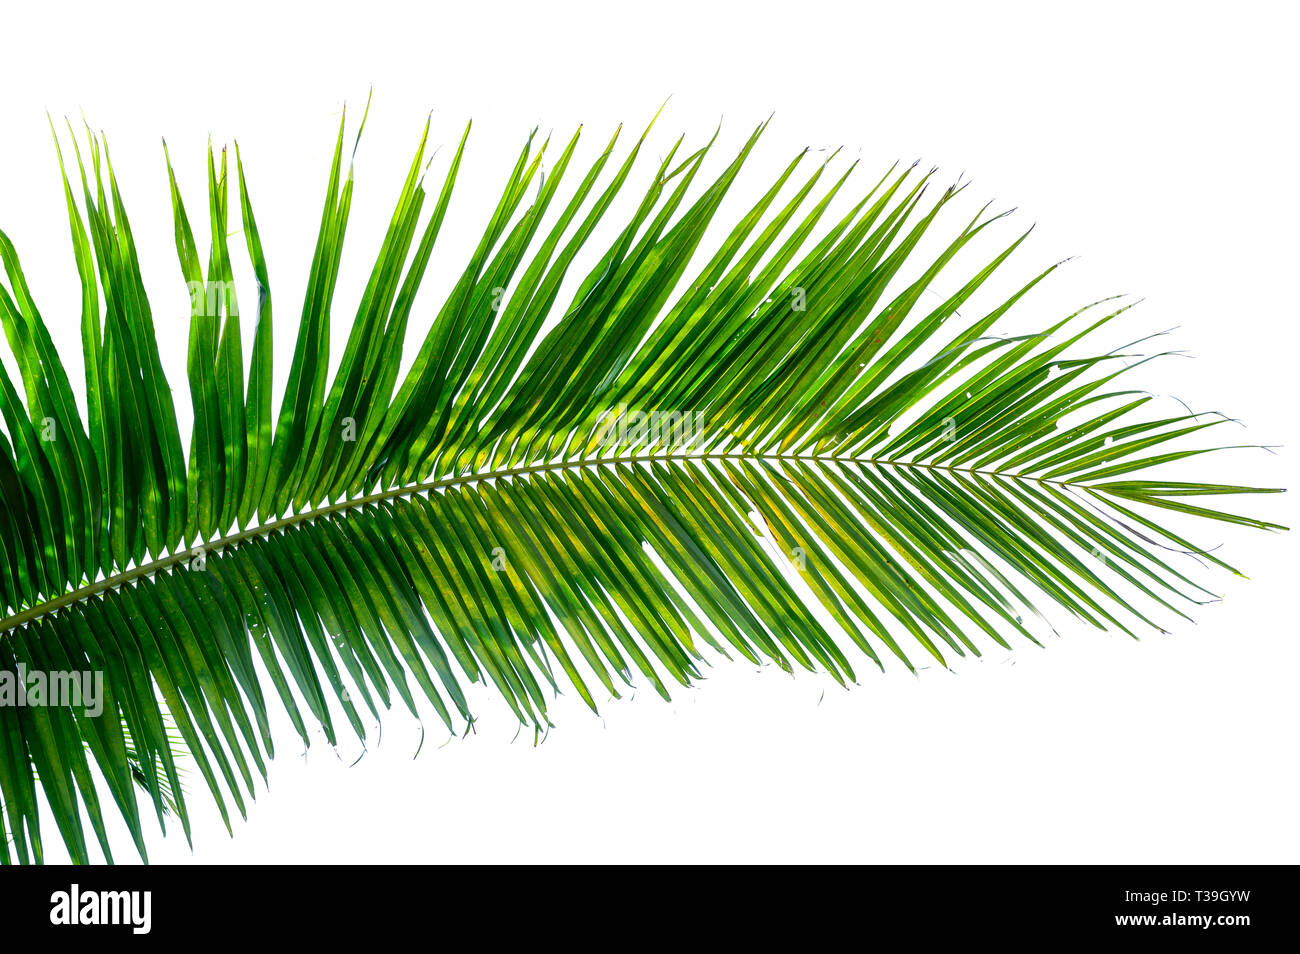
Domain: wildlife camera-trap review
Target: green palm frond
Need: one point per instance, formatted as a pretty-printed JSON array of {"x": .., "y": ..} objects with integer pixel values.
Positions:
[{"x": 796, "y": 454}]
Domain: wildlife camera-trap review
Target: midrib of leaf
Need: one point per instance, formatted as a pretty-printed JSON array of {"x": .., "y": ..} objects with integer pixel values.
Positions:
[{"x": 410, "y": 490}]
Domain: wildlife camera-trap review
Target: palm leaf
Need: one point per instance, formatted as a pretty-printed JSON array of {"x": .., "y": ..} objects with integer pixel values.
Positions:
[{"x": 800, "y": 455}]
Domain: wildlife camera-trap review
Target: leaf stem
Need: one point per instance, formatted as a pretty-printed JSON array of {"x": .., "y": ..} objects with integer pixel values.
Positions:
[{"x": 180, "y": 557}]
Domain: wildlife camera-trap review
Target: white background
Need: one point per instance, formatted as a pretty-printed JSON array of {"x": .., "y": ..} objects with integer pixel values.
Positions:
[{"x": 1157, "y": 142}]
